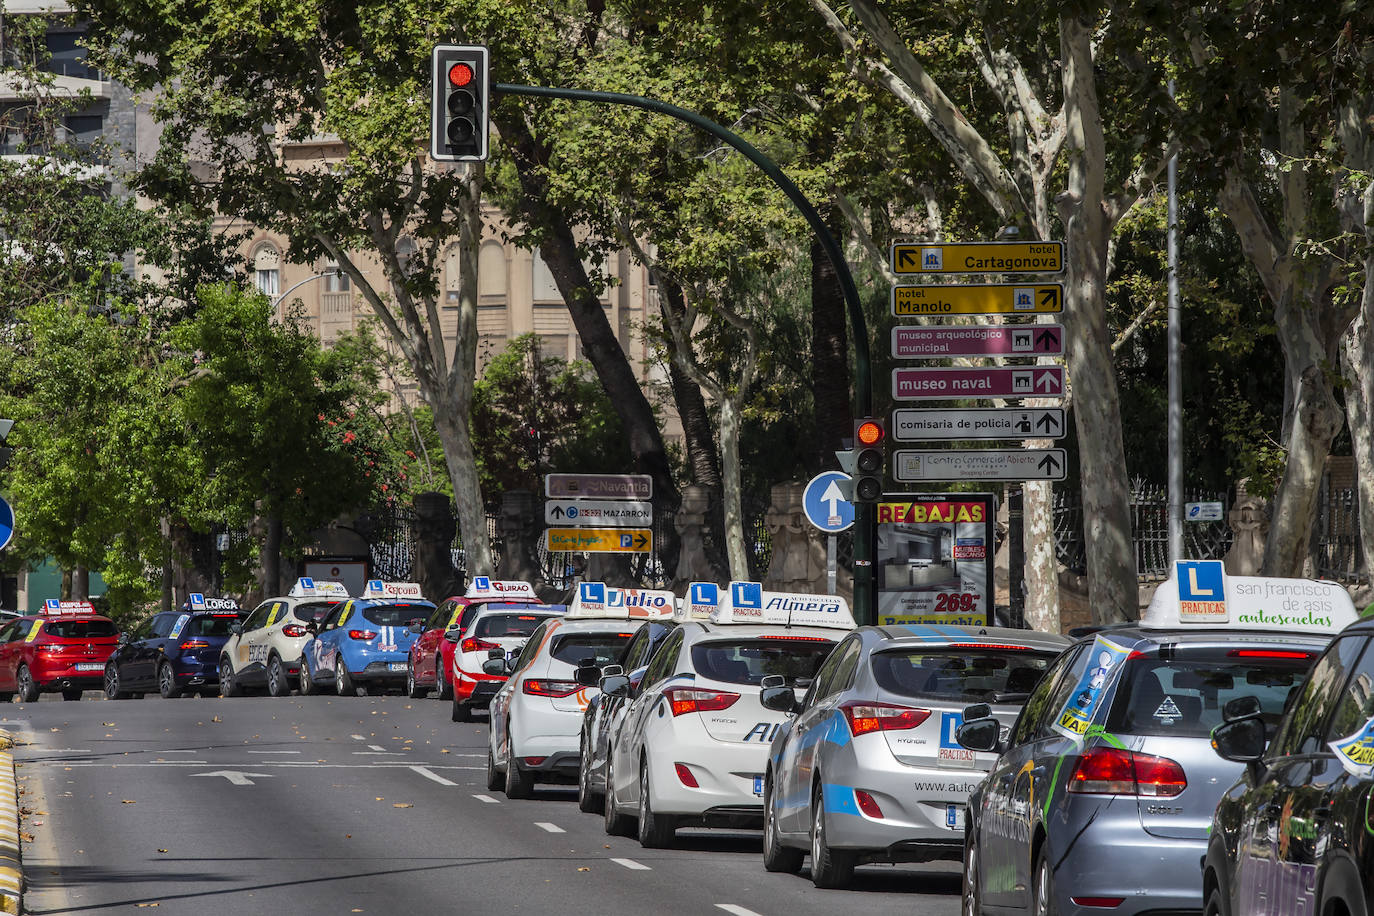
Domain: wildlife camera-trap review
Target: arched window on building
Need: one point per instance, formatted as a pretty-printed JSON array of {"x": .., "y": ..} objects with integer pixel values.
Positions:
[
  {"x": 334, "y": 280},
  {"x": 491, "y": 270},
  {"x": 452, "y": 274},
  {"x": 267, "y": 269}
]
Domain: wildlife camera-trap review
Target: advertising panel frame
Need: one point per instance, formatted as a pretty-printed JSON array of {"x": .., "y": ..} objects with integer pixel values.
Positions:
[{"x": 919, "y": 536}]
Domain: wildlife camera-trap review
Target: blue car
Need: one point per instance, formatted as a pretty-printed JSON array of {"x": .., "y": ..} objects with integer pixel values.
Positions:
[
  {"x": 365, "y": 641},
  {"x": 174, "y": 653}
]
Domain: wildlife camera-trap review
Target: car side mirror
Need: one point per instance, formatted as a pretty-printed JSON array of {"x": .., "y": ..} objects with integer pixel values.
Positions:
[
  {"x": 496, "y": 666},
  {"x": 587, "y": 675},
  {"x": 125, "y": 638},
  {"x": 779, "y": 699},
  {"x": 977, "y": 711},
  {"x": 1240, "y": 708},
  {"x": 236, "y": 628},
  {"x": 453, "y": 635},
  {"x": 982, "y": 734},
  {"x": 615, "y": 686},
  {"x": 1240, "y": 740},
  {"x": 496, "y": 653},
  {"x": 416, "y": 628}
]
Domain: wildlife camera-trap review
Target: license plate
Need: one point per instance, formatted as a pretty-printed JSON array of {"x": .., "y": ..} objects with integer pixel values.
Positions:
[
  {"x": 758, "y": 785},
  {"x": 954, "y": 817},
  {"x": 396, "y": 666},
  {"x": 89, "y": 666}
]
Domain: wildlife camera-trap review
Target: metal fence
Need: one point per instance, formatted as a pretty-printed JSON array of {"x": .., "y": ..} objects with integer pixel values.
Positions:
[{"x": 1336, "y": 548}]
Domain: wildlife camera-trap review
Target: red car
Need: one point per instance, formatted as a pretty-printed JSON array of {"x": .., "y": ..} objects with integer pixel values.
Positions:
[
  {"x": 431, "y": 655},
  {"x": 63, "y": 649}
]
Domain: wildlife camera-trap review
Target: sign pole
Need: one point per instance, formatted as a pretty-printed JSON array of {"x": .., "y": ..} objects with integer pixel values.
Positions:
[{"x": 830, "y": 564}]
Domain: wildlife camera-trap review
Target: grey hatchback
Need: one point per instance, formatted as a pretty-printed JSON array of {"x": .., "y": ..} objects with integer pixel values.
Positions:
[{"x": 1102, "y": 797}]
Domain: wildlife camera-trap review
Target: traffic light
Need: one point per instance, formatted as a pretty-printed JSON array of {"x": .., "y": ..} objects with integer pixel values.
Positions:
[
  {"x": 458, "y": 107},
  {"x": 5, "y": 451},
  {"x": 868, "y": 460}
]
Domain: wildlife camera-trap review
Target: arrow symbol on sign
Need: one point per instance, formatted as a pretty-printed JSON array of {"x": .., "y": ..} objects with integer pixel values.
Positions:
[
  {"x": 641, "y": 541},
  {"x": 1047, "y": 339},
  {"x": 1049, "y": 297},
  {"x": 1049, "y": 464},
  {"x": 235, "y": 777},
  {"x": 1046, "y": 381},
  {"x": 1048, "y": 423},
  {"x": 557, "y": 511},
  {"x": 906, "y": 258},
  {"x": 832, "y": 497}
]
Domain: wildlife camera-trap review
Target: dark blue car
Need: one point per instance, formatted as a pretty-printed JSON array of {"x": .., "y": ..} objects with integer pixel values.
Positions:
[{"x": 173, "y": 653}]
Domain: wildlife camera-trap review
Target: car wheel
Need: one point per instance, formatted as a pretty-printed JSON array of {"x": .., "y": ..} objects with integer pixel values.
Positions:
[
  {"x": 228, "y": 686},
  {"x": 588, "y": 802},
  {"x": 6, "y": 697},
  {"x": 28, "y": 690},
  {"x": 462, "y": 712},
  {"x": 617, "y": 824},
  {"x": 1044, "y": 887},
  {"x": 306, "y": 685},
  {"x": 167, "y": 682},
  {"x": 445, "y": 686},
  {"x": 519, "y": 783},
  {"x": 496, "y": 780},
  {"x": 830, "y": 868},
  {"x": 112, "y": 688},
  {"x": 655, "y": 830},
  {"x": 343, "y": 681},
  {"x": 776, "y": 856},
  {"x": 972, "y": 902},
  {"x": 1216, "y": 904},
  {"x": 72, "y": 693},
  {"x": 278, "y": 685},
  {"x": 414, "y": 690}
]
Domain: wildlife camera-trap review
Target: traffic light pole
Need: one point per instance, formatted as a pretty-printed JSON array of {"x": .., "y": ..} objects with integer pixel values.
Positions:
[{"x": 865, "y": 517}]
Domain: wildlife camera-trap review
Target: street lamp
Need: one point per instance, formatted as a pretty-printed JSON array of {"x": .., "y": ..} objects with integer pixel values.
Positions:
[{"x": 336, "y": 272}]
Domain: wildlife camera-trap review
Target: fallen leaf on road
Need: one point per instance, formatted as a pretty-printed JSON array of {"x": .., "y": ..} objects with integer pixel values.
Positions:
[
  {"x": 216, "y": 719},
  {"x": 147, "y": 904},
  {"x": 402, "y": 806},
  {"x": 380, "y": 798},
  {"x": 162, "y": 850},
  {"x": 583, "y": 868},
  {"x": 128, "y": 801},
  {"x": 444, "y": 750},
  {"x": 106, "y": 724},
  {"x": 348, "y": 836}
]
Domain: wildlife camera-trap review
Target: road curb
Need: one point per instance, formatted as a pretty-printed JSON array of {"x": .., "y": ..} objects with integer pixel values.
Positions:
[{"x": 11, "y": 862}]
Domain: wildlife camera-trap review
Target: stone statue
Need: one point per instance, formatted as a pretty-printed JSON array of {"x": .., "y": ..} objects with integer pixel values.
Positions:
[
  {"x": 797, "y": 561},
  {"x": 693, "y": 562},
  {"x": 519, "y": 532},
  {"x": 433, "y": 530},
  {"x": 1249, "y": 521}
]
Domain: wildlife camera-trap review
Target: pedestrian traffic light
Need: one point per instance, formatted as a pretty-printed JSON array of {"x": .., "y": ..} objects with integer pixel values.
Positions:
[
  {"x": 458, "y": 107},
  {"x": 868, "y": 460},
  {"x": 5, "y": 451}
]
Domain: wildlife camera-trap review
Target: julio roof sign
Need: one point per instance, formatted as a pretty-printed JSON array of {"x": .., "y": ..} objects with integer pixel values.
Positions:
[
  {"x": 988, "y": 299},
  {"x": 939, "y": 384},
  {"x": 978, "y": 258},
  {"x": 912, "y": 466}
]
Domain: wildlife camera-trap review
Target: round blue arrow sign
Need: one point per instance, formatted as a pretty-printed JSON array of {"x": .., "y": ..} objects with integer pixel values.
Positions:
[
  {"x": 825, "y": 506},
  {"x": 6, "y": 524}
]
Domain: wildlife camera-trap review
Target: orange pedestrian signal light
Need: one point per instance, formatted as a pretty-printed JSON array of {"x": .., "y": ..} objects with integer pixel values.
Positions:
[{"x": 869, "y": 433}]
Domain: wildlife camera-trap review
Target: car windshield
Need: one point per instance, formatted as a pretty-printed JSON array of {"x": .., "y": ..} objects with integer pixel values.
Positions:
[
  {"x": 749, "y": 661},
  {"x": 1183, "y": 694},
  {"x": 961, "y": 675},
  {"x": 81, "y": 629},
  {"x": 602, "y": 648},
  {"x": 210, "y": 625},
  {"x": 507, "y": 624},
  {"x": 314, "y": 611},
  {"x": 395, "y": 615}
]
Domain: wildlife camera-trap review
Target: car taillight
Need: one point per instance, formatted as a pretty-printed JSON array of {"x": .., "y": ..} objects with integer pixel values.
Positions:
[
  {"x": 362, "y": 634},
  {"x": 881, "y": 717},
  {"x": 683, "y": 700},
  {"x": 684, "y": 776},
  {"x": 867, "y": 804},
  {"x": 550, "y": 688},
  {"x": 1105, "y": 903},
  {"x": 52, "y": 648},
  {"x": 989, "y": 645},
  {"x": 1267, "y": 653},
  {"x": 194, "y": 644},
  {"x": 1113, "y": 771},
  {"x": 294, "y": 629},
  {"x": 477, "y": 645},
  {"x": 792, "y": 638}
]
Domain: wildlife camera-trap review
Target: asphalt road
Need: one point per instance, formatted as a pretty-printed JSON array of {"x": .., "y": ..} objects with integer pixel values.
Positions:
[{"x": 358, "y": 805}]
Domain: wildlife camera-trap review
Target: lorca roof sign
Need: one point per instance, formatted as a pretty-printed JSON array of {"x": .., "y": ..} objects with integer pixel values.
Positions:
[{"x": 1200, "y": 593}]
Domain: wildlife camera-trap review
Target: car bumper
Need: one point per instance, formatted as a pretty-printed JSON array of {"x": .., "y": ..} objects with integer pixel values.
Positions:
[
  {"x": 539, "y": 730},
  {"x": 62, "y": 675},
  {"x": 729, "y": 780},
  {"x": 381, "y": 670},
  {"x": 476, "y": 689}
]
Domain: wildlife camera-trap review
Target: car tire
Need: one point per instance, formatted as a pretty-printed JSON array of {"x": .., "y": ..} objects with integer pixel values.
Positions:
[
  {"x": 445, "y": 685},
  {"x": 655, "y": 830},
  {"x": 112, "y": 686},
  {"x": 414, "y": 690},
  {"x": 1216, "y": 904},
  {"x": 306, "y": 685},
  {"x": 343, "y": 681},
  {"x": 6, "y": 697},
  {"x": 496, "y": 780},
  {"x": 278, "y": 684},
  {"x": 776, "y": 856},
  {"x": 616, "y": 824},
  {"x": 830, "y": 868},
  {"x": 971, "y": 894},
  {"x": 519, "y": 783},
  {"x": 28, "y": 690},
  {"x": 588, "y": 802},
  {"x": 1042, "y": 901},
  {"x": 228, "y": 684},
  {"x": 72, "y": 693},
  {"x": 462, "y": 712},
  {"x": 167, "y": 682}
]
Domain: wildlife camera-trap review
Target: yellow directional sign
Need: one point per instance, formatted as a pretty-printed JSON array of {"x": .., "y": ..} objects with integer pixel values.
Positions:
[
  {"x": 599, "y": 540},
  {"x": 978, "y": 258},
  {"x": 988, "y": 299}
]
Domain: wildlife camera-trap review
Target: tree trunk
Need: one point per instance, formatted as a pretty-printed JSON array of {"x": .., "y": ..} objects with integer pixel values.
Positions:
[
  {"x": 1112, "y": 588},
  {"x": 81, "y": 583},
  {"x": 167, "y": 598},
  {"x": 734, "y": 504},
  {"x": 1041, "y": 559},
  {"x": 1357, "y": 361},
  {"x": 833, "y": 417},
  {"x": 269, "y": 557},
  {"x": 599, "y": 343},
  {"x": 702, "y": 457},
  {"x": 451, "y": 423}
]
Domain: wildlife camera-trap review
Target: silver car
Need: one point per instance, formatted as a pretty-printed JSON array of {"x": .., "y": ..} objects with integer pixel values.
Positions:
[{"x": 868, "y": 768}]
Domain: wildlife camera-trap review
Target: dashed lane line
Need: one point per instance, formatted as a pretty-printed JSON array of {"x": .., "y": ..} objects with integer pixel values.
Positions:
[
  {"x": 487, "y": 799},
  {"x": 632, "y": 865},
  {"x": 551, "y": 828},
  {"x": 274, "y": 752},
  {"x": 736, "y": 909},
  {"x": 357, "y": 737},
  {"x": 431, "y": 775}
]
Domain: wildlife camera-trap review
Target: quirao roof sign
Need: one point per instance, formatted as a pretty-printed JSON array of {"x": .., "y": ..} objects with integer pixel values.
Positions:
[
  {"x": 487, "y": 587},
  {"x": 1200, "y": 593}
]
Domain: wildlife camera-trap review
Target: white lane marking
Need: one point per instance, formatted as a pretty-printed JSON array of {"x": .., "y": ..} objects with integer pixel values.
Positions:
[
  {"x": 632, "y": 865},
  {"x": 487, "y": 799},
  {"x": 429, "y": 774},
  {"x": 357, "y": 737},
  {"x": 174, "y": 752},
  {"x": 737, "y": 910},
  {"x": 283, "y": 764},
  {"x": 377, "y": 754},
  {"x": 274, "y": 752},
  {"x": 237, "y": 778},
  {"x": 86, "y": 750},
  {"x": 551, "y": 828},
  {"x": 376, "y": 747}
]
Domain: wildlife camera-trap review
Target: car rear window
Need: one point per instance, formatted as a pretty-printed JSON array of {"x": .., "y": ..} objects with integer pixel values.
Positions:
[
  {"x": 81, "y": 629},
  {"x": 507, "y": 624},
  {"x": 749, "y": 661},
  {"x": 602, "y": 648},
  {"x": 210, "y": 625},
  {"x": 1184, "y": 693},
  {"x": 395, "y": 615},
  {"x": 314, "y": 611},
  {"x": 962, "y": 675}
]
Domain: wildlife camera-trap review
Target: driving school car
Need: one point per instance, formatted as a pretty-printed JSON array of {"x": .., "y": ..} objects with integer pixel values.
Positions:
[
  {"x": 365, "y": 641},
  {"x": 266, "y": 648},
  {"x": 1103, "y": 795},
  {"x": 174, "y": 652},
  {"x": 536, "y": 716},
  {"x": 487, "y": 627},
  {"x": 431, "y": 655},
  {"x": 692, "y": 748},
  {"x": 63, "y": 649},
  {"x": 868, "y": 769}
]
